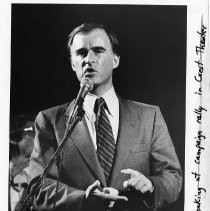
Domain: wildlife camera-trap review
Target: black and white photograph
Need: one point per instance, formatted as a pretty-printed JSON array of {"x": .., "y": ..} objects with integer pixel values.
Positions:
[{"x": 98, "y": 112}]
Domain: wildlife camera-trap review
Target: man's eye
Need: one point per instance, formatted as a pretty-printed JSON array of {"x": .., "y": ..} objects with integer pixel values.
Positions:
[
  {"x": 98, "y": 50},
  {"x": 81, "y": 52}
]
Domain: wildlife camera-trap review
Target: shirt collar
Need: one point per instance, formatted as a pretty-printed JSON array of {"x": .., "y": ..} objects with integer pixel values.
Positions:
[{"x": 110, "y": 98}]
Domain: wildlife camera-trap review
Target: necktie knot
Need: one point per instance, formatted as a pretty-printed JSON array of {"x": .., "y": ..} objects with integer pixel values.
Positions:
[{"x": 99, "y": 104}]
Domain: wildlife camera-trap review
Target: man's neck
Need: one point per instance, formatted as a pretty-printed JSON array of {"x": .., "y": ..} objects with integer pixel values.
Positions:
[{"x": 101, "y": 90}]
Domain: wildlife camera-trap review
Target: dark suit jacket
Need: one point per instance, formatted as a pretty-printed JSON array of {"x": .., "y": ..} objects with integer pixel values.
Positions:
[{"x": 143, "y": 144}]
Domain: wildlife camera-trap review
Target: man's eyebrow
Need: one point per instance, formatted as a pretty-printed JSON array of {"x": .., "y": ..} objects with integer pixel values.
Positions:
[
  {"x": 98, "y": 48},
  {"x": 95, "y": 48}
]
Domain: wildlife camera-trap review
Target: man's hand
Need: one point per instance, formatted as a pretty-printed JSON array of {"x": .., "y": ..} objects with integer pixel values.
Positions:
[
  {"x": 137, "y": 181},
  {"x": 109, "y": 195}
]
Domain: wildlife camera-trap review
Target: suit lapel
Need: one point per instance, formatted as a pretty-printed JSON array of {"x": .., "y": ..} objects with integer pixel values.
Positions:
[
  {"x": 127, "y": 127},
  {"x": 83, "y": 142}
]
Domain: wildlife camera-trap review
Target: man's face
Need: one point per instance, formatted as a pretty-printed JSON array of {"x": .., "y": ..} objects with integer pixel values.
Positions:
[{"x": 92, "y": 57}]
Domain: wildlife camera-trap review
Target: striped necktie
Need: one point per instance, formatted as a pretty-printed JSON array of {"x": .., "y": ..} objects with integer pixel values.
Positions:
[{"x": 105, "y": 138}]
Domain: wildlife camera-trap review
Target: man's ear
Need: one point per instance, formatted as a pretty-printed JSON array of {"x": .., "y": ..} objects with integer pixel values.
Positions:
[
  {"x": 72, "y": 64},
  {"x": 116, "y": 61}
]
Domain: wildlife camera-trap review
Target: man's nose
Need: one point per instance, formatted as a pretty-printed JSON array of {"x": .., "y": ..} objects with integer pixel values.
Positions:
[{"x": 90, "y": 58}]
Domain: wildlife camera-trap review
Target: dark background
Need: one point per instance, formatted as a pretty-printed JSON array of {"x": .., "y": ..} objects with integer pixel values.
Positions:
[{"x": 152, "y": 67}]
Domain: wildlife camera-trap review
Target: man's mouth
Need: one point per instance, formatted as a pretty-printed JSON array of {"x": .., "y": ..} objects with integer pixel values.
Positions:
[{"x": 89, "y": 70}]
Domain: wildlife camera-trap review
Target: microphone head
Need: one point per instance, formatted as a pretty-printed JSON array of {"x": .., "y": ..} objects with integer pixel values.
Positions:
[{"x": 87, "y": 82}]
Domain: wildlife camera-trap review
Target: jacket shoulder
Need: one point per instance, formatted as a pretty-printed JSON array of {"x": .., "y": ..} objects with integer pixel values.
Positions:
[
  {"x": 55, "y": 109},
  {"x": 139, "y": 106},
  {"x": 54, "y": 112}
]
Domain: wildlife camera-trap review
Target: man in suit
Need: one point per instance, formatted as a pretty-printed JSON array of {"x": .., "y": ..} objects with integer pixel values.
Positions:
[{"x": 129, "y": 165}]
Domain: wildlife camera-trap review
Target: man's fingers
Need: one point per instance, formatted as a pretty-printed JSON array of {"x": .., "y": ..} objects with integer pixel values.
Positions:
[
  {"x": 131, "y": 172},
  {"x": 140, "y": 185},
  {"x": 125, "y": 184},
  {"x": 111, "y": 204},
  {"x": 106, "y": 190},
  {"x": 127, "y": 171},
  {"x": 147, "y": 188},
  {"x": 112, "y": 191},
  {"x": 110, "y": 197},
  {"x": 116, "y": 198},
  {"x": 144, "y": 189},
  {"x": 92, "y": 188},
  {"x": 120, "y": 198},
  {"x": 137, "y": 181},
  {"x": 133, "y": 182}
]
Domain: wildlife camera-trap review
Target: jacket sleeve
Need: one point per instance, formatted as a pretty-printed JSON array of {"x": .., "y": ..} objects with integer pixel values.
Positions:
[
  {"x": 165, "y": 169},
  {"x": 45, "y": 144}
]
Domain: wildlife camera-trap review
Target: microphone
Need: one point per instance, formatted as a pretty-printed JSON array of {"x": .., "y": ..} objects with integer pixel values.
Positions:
[{"x": 86, "y": 86}]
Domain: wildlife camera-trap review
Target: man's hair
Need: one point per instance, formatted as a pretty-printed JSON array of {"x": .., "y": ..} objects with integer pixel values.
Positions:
[{"x": 88, "y": 27}]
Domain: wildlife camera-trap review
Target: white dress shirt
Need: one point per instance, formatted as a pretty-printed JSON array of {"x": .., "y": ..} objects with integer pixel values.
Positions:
[{"x": 112, "y": 102}]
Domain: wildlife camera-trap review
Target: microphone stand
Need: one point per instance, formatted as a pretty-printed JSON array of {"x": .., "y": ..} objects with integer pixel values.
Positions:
[{"x": 74, "y": 118}]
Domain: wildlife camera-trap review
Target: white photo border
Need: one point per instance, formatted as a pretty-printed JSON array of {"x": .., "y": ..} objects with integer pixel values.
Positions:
[{"x": 197, "y": 191}]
